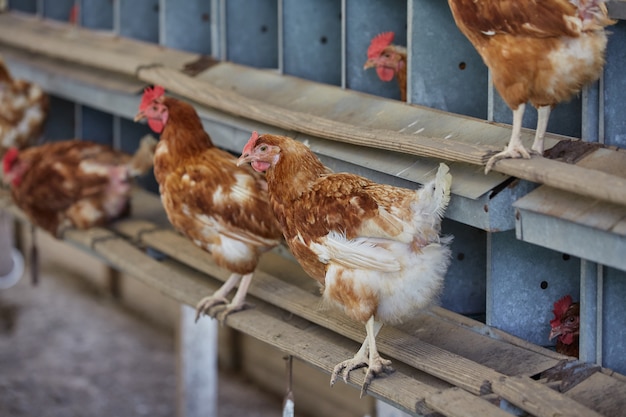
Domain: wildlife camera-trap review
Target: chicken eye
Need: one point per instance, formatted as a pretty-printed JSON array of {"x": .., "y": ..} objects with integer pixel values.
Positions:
[
  {"x": 571, "y": 319},
  {"x": 263, "y": 148}
]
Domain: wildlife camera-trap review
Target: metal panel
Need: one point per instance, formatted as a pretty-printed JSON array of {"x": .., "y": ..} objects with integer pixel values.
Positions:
[
  {"x": 252, "y": 32},
  {"x": 464, "y": 288},
  {"x": 27, "y": 6},
  {"x": 523, "y": 282},
  {"x": 61, "y": 120},
  {"x": 186, "y": 25},
  {"x": 138, "y": 19},
  {"x": 590, "y": 312},
  {"x": 57, "y": 9},
  {"x": 312, "y": 39},
  {"x": 614, "y": 320},
  {"x": 564, "y": 119},
  {"x": 95, "y": 125},
  {"x": 360, "y": 28},
  {"x": 617, "y": 9},
  {"x": 446, "y": 72},
  {"x": 96, "y": 14},
  {"x": 614, "y": 87},
  {"x": 588, "y": 242}
]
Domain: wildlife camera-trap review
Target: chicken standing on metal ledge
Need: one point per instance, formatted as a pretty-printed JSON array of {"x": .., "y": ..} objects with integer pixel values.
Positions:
[
  {"x": 221, "y": 207},
  {"x": 538, "y": 51},
  {"x": 566, "y": 326},
  {"x": 388, "y": 59},
  {"x": 375, "y": 249}
]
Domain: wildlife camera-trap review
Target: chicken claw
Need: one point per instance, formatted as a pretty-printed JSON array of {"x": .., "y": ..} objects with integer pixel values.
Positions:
[
  {"x": 223, "y": 311},
  {"x": 509, "y": 153},
  {"x": 218, "y": 299},
  {"x": 376, "y": 367},
  {"x": 207, "y": 303}
]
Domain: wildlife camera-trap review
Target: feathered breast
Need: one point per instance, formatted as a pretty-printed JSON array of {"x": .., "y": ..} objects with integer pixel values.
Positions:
[{"x": 209, "y": 190}]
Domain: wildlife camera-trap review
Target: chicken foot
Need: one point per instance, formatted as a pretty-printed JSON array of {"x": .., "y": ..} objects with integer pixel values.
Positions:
[
  {"x": 515, "y": 148},
  {"x": 367, "y": 356},
  {"x": 218, "y": 299}
]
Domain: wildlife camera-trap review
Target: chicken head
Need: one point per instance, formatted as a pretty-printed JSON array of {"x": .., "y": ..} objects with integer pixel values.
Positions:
[{"x": 153, "y": 109}]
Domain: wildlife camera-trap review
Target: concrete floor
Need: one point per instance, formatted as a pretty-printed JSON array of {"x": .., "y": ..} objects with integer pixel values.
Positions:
[{"x": 68, "y": 350}]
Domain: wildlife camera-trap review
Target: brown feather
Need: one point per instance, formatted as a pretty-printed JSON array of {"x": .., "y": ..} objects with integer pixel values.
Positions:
[
  {"x": 527, "y": 46},
  {"x": 55, "y": 188},
  {"x": 23, "y": 111},
  {"x": 191, "y": 172}
]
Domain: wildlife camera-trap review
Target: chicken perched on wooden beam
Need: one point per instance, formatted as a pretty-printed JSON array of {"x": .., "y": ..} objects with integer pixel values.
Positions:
[
  {"x": 388, "y": 59},
  {"x": 538, "y": 51},
  {"x": 73, "y": 183},
  {"x": 565, "y": 326},
  {"x": 23, "y": 112},
  {"x": 375, "y": 249},
  {"x": 221, "y": 207}
]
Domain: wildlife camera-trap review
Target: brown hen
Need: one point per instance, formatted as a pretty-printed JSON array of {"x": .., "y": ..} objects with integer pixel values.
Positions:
[
  {"x": 73, "y": 183},
  {"x": 538, "y": 51},
  {"x": 375, "y": 249},
  {"x": 221, "y": 207}
]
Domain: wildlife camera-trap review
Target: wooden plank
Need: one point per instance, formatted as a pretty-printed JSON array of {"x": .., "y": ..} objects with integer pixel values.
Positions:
[
  {"x": 603, "y": 393},
  {"x": 239, "y": 105},
  {"x": 494, "y": 333},
  {"x": 100, "y": 49},
  {"x": 433, "y": 360},
  {"x": 609, "y": 160},
  {"x": 315, "y": 345},
  {"x": 456, "y": 401},
  {"x": 572, "y": 178},
  {"x": 577, "y": 209}
]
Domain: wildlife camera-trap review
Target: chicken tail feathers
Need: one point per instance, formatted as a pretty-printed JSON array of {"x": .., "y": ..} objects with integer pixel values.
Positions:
[{"x": 435, "y": 195}]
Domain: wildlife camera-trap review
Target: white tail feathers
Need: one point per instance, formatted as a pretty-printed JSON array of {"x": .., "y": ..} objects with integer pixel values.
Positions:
[{"x": 435, "y": 195}]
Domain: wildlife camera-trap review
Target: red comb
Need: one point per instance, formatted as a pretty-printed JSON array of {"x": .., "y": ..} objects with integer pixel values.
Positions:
[
  {"x": 9, "y": 158},
  {"x": 379, "y": 43},
  {"x": 149, "y": 95},
  {"x": 251, "y": 142},
  {"x": 561, "y": 306}
]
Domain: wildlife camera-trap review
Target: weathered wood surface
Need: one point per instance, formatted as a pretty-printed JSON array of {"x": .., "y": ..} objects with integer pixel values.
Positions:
[
  {"x": 155, "y": 64},
  {"x": 188, "y": 286},
  {"x": 447, "y": 366},
  {"x": 601, "y": 392},
  {"x": 568, "y": 206}
]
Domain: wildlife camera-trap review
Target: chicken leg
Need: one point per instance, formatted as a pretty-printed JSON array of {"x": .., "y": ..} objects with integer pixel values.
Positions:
[
  {"x": 366, "y": 356},
  {"x": 218, "y": 298},
  {"x": 515, "y": 148},
  {"x": 543, "y": 115}
]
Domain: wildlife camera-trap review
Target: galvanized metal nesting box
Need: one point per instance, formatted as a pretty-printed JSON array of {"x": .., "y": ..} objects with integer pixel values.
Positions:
[{"x": 520, "y": 244}]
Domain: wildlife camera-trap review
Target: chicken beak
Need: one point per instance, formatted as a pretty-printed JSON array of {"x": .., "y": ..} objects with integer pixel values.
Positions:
[
  {"x": 139, "y": 116},
  {"x": 370, "y": 63},
  {"x": 556, "y": 331},
  {"x": 244, "y": 159}
]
